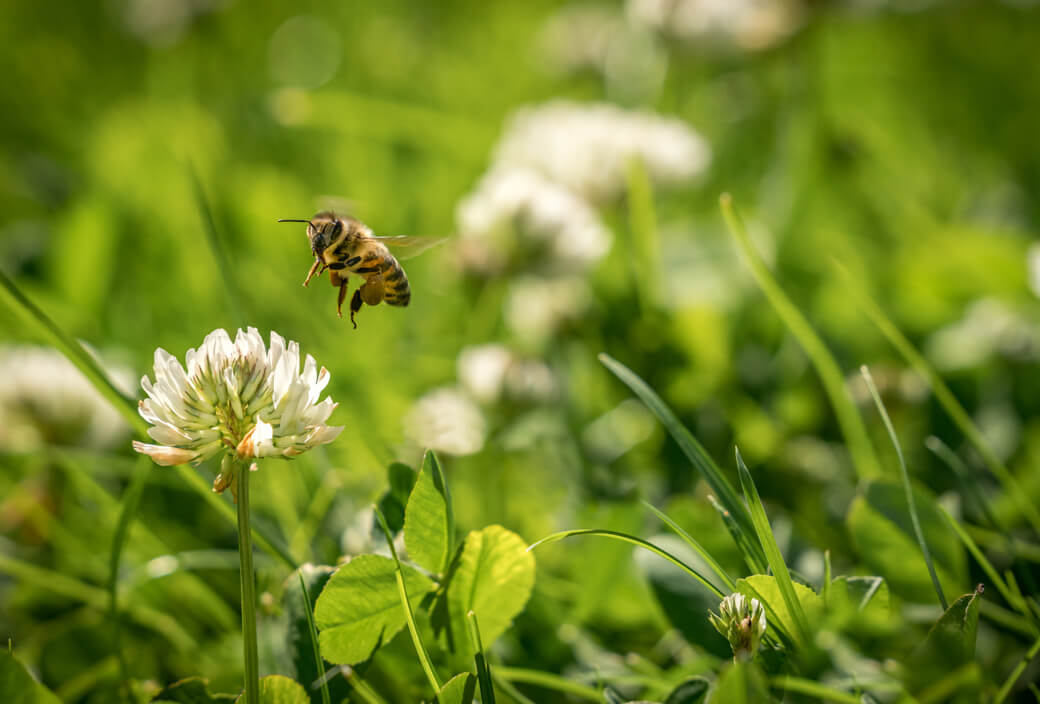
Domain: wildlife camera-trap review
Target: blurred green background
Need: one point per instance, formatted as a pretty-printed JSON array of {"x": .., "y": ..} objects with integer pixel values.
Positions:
[{"x": 898, "y": 139}]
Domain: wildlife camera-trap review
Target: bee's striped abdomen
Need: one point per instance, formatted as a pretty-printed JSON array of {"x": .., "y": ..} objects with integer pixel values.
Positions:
[{"x": 396, "y": 291}]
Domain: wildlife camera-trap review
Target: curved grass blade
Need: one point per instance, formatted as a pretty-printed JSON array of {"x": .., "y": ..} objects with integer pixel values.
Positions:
[
  {"x": 549, "y": 681},
  {"x": 127, "y": 510},
  {"x": 727, "y": 581},
  {"x": 852, "y": 427},
  {"x": 625, "y": 537},
  {"x": 487, "y": 691},
  {"x": 800, "y": 685},
  {"x": 772, "y": 550},
  {"x": 905, "y": 477},
  {"x": 1005, "y": 689},
  {"x": 313, "y": 632},
  {"x": 748, "y": 545},
  {"x": 693, "y": 450},
  {"x": 420, "y": 647},
  {"x": 945, "y": 397},
  {"x": 127, "y": 407},
  {"x": 216, "y": 247}
]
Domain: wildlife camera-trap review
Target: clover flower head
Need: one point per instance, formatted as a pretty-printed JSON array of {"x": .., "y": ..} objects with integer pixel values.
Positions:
[
  {"x": 237, "y": 399},
  {"x": 743, "y": 622}
]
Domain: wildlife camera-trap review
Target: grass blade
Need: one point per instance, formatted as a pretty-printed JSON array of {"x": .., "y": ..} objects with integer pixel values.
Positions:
[
  {"x": 772, "y": 551},
  {"x": 127, "y": 510},
  {"x": 626, "y": 538},
  {"x": 969, "y": 485},
  {"x": 749, "y": 547},
  {"x": 1005, "y": 689},
  {"x": 905, "y": 477},
  {"x": 313, "y": 633},
  {"x": 216, "y": 247},
  {"x": 727, "y": 581},
  {"x": 127, "y": 407},
  {"x": 549, "y": 681},
  {"x": 420, "y": 647},
  {"x": 487, "y": 691},
  {"x": 642, "y": 229},
  {"x": 852, "y": 427},
  {"x": 945, "y": 397},
  {"x": 693, "y": 450},
  {"x": 800, "y": 685}
]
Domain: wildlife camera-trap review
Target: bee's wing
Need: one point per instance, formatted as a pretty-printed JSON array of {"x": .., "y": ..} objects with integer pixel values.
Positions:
[{"x": 406, "y": 246}]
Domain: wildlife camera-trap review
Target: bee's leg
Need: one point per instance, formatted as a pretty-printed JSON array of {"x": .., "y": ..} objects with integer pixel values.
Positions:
[
  {"x": 372, "y": 290},
  {"x": 355, "y": 305},
  {"x": 340, "y": 281},
  {"x": 313, "y": 271}
]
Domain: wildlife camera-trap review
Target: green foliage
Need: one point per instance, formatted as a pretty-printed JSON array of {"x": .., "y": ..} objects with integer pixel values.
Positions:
[
  {"x": 17, "y": 686},
  {"x": 429, "y": 522},
  {"x": 276, "y": 689},
  {"x": 302, "y": 588},
  {"x": 193, "y": 690},
  {"x": 492, "y": 576},
  {"x": 690, "y": 691},
  {"x": 879, "y": 523},
  {"x": 740, "y": 683},
  {"x": 460, "y": 689},
  {"x": 768, "y": 590},
  {"x": 359, "y": 609}
]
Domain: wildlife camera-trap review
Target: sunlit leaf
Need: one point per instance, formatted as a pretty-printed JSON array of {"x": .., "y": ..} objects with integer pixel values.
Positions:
[
  {"x": 360, "y": 608},
  {"x": 278, "y": 689},
  {"x": 429, "y": 524},
  {"x": 766, "y": 589},
  {"x": 493, "y": 578},
  {"x": 458, "y": 690}
]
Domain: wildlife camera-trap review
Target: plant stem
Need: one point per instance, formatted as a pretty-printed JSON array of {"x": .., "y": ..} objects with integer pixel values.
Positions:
[{"x": 245, "y": 557}]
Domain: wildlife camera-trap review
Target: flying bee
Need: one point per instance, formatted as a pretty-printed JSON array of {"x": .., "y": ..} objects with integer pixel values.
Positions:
[{"x": 345, "y": 245}]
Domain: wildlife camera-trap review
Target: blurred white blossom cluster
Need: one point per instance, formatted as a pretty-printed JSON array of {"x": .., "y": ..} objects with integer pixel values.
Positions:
[
  {"x": 45, "y": 399},
  {"x": 989, "y": 328},
  {"x": 456, "y": 420},
  {"x": 533, "y": 215},
  {"x": 743, "y": 24}
]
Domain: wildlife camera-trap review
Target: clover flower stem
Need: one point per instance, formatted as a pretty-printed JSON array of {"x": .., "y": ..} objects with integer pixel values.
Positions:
[{"x": 245, "y": 556}]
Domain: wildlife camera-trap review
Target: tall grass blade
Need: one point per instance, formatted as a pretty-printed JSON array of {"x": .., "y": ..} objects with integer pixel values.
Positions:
[
  {"x": 216, "y": 247},
  {"x": 420, "y": 647},
  {"x": 776, "y": 560},
  {"x": 127, "y": 407},
  {"x": 127, "y": 510},
  {"x": 487, "y": 690},
  {"x": 727, "y": 581},
  {"x": 904, "y": 476},
  {"x": 626, "y": 538},
  {"x": 1005, "y": 689},
  {"x": 749, "y": 547},
  {"x": 693, "y": 450},
  {"x": 642, "y": 229},
  {"x": 319, "y": 662},
  {"x": 945, "y": 397},
  {"x": 852, "y": 427},
  {"x": 968, "y": 484}
]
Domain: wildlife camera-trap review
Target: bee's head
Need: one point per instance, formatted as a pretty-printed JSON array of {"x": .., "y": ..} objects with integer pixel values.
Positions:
[{"x": 322, "y": 230}]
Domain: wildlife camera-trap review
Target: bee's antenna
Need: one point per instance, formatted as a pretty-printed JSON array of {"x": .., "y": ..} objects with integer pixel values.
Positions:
[{"x": 290, "y": 220}]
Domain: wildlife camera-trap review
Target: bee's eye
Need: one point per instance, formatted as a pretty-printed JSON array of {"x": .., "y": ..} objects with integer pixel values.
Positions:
[{"x": 336, "y": 227}]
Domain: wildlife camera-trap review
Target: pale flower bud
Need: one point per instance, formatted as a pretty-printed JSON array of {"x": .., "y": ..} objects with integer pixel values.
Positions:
[{"x": 743, "y": 622}]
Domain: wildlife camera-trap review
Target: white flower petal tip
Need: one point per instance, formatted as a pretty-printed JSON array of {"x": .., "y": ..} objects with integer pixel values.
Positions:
[
  {"x": 163, "y": 455},
  {"x": 236, "y": 399}
]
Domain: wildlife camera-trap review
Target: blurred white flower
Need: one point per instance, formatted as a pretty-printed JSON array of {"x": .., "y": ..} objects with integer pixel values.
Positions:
[
  {"x": 448, "y": 421},
  {"x": 364, "y": 536},
  {"x": 743, "y": 622},
  {"x": 515, "y": 213},
  {"x": 162, "y": 22},
  {"x": 989, "y": 327},
  {"x": 490, "y": 372},
  {"x": 536, "y": 307},
  {"x": 587, "y": 147},
  {"x": 746, "y": 24},
  {"x": 238, "y": 399},
  {"x": 45, "y": 399},
  {"x": 1033, "y": 268}
]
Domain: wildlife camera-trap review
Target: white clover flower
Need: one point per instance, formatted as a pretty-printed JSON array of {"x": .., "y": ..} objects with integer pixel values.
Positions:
[
  {"x": 45, "y": 399},
  {"x": 536, "y": 308},
  {"x": 448, "y": 421},
  {"x": 235, "y": 398},
  {"x": 743, "y": 622},
  {"x": 745, "y": 24},
  {"x": 588, "y": 147},
  {"x": 490, "y": 372},
  {"x": 516, "y": 213}
]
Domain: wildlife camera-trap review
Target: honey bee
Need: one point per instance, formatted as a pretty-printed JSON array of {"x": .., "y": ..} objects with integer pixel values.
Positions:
[{"x": 345, "y": 245}]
